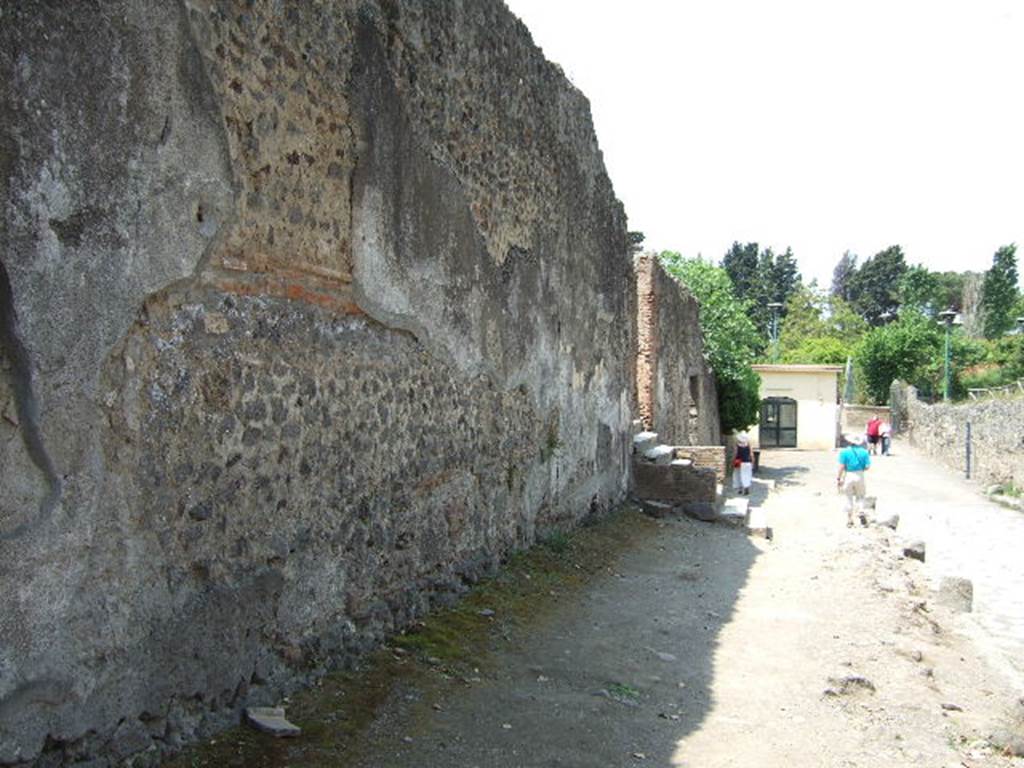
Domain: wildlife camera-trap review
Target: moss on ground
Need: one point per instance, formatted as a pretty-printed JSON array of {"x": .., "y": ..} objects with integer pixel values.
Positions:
[{"x": 447, "y": 649}]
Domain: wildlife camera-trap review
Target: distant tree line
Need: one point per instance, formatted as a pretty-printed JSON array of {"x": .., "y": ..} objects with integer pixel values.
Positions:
[{"x": 882, "y": 314}]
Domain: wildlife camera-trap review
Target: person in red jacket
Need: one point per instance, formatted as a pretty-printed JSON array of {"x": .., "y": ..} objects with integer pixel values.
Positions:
[{"x": 872, "y": 430}]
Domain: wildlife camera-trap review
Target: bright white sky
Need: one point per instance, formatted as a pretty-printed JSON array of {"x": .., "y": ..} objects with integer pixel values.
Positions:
[{"x": 821, "y": 125}]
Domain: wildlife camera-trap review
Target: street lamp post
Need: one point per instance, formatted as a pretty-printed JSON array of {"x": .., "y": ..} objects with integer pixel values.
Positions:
[
  {"x": 775, "y": 307},
  {"x": 946, "y": 316}
]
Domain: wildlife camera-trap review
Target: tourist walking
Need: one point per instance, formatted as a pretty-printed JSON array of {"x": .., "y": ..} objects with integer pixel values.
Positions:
[
  {"x": 873, "y": 425},
  {"x": 742, "y": 465},
  {"x": 885, "y": 434},
  {"x": 854, "y": 461}
]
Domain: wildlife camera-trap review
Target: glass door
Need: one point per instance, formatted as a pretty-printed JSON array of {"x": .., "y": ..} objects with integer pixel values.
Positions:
[{"x": 778, "y": 423}]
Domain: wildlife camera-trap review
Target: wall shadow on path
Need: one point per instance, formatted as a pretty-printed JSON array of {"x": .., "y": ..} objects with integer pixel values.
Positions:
[{"x": 625, "y": 665}]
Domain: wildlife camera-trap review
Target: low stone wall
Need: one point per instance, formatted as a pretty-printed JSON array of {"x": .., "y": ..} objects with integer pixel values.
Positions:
[
  {"x": 997, "y": 435},
  {"x": 674, "y": 484},
  {"x": 675, "y": 387}
]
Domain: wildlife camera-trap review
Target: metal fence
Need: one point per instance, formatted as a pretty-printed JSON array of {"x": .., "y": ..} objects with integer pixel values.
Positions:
[{"x": 1016, "y": 389}]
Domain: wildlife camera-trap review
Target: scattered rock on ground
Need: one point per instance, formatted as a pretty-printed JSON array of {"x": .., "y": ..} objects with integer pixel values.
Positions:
[
  {"x": 700, "y": 510},
  {"x": 915, "y": 550},
  {"x": 271, "y": 720},
  {"x": 956, "y": 593},
  {"x": 844, "y": 686},
  {"x": 1009, "y": 741},
  {"x": 888, "y": 521}
]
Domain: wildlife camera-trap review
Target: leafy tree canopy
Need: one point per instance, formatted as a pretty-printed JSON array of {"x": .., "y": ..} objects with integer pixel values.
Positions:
[
  {"x": 761, "y": 277},
  {"x": 819, "y": 328},
  {"x": 899, "y": 350},
  {"x": 922, "y": 291},
  {"x": 874, "y": 287}
]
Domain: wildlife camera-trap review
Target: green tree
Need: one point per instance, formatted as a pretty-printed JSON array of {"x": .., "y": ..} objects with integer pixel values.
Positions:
[
  {"x": 818, "y": 350},
  {"x": 742, "y": 265},
  {"x": 1008, "y": 354},
  {"x": 950, "y": 293},
  {"x": 900, "y": 350},
  {"x": 999, "y": 292},
  {"x": 730, "y": 339},
  {"x": 761, "y": 277},
  {"x": 844, "y": 271},
  {"x": 874, "y": 287},
  {"x": 921, "y": 290},
  {"x": 818, "y": 328},
  {"x": 784, "y": 277}
]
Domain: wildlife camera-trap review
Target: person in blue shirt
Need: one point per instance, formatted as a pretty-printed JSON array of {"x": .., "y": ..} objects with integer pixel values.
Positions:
[{"x": 854, "y": 461}]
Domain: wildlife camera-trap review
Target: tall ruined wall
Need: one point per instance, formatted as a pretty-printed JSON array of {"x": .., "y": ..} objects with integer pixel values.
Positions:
[
  {"x": 997, "y": 439},
  {"x": 310, "y": 312},
  {"x": 675, "y": 387}
]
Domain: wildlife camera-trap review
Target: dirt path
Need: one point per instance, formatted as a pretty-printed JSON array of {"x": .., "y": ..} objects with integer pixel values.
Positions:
[{"x": 691, "y": 645}]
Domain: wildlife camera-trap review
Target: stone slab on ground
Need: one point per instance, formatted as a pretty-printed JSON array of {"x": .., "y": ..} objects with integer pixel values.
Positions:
[
  {"x": 658, "y": 509},
  {"x": 956, "y": 593},
  {"x": 271, "y": 720},
  {"x": 735, "y": 510}
]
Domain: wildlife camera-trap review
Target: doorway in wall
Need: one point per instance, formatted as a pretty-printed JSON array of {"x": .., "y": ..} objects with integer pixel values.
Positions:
[{"x": 778, "y": 423}]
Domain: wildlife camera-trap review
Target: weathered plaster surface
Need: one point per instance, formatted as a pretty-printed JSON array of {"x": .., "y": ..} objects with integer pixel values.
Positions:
[{"x": 310, "y": 313}]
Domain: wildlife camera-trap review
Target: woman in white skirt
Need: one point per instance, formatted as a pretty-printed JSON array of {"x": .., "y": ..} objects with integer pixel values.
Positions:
[{"x": 742, "y": 465}]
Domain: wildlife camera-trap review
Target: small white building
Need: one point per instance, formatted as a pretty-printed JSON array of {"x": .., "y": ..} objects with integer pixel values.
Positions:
[{"x": 799, "y": 406}]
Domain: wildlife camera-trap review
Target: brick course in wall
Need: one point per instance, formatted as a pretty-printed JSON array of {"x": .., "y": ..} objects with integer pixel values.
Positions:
[{"x": 705, "y": 457}]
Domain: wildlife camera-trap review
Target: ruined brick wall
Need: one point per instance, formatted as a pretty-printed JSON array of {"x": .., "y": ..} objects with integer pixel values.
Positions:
[
  {"x": 675, "y": 387},
  {"x": 309, "y": 314},
  {"x": 940, "y": 430},
  {"x": 705, "y": 457}
]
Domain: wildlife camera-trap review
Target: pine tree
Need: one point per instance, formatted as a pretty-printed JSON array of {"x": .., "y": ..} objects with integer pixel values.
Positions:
[
  {"x": 999, "y": 292},
  {"x": 842, "y": 274}
]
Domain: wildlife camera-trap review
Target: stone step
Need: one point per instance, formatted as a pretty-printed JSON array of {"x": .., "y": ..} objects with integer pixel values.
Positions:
[
  {"x": 660, "y": 454},
  {"x": 735, "y": 509},
  {"x": 757, "y": 522},
  {"x": 644, "y": 441}
]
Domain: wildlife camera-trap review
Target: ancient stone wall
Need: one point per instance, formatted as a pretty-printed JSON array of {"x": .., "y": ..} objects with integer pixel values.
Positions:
[
  {"x": 675, "y": 387},
  {"x": 997, "y": 437},
  {"x": 310, "y": 313}
]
